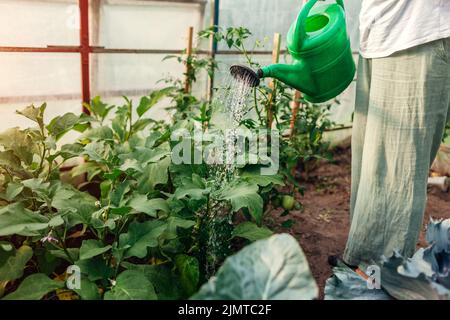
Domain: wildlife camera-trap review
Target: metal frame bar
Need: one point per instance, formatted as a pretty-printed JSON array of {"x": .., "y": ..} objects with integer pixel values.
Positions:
[
  {"x": 96, "y": 49},
  {"x": 85, "y": 50}
]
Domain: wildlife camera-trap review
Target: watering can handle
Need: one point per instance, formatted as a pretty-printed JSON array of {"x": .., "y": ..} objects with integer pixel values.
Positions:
[{"x": 303, "y": 15}]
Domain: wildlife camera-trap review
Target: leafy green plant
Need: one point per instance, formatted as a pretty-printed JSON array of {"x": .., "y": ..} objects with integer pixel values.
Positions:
[
  {"x": 277, "y": 262},
  {"x": 53, "y": 225},
  {"x": 185, "y": 105},
  {"x": 307, "y": 145},
  {"x": 144, "y": 212}
]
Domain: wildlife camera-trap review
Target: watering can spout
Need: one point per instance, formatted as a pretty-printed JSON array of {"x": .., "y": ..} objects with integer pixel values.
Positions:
[{"x": 295, "y": 75}]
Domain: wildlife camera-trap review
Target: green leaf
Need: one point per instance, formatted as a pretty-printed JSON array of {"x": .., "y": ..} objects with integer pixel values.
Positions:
[
  {"x": 92, "y": 169},
  {"x": 98, "y": 134},
  {"x": 13, "y": 189},
  {"x": 192, "y": 188},
  {"x": 269, "y": 269},
  {"x": 140, "y": 237},
  {"x": 99, "y": 108},
  {"x": 140, "y": 203},
  {"x": 173, "y": 223},
  {"x": 12, "y": 263},
  {"x": 34, "y": 114},
  {"x": 20, "y": 143},
  {"x": 62, "y": 124},
  {"x": 10, "y": 161},
  {"x": 154, "y": 174},
  {"x": 79, "y": 205},
  {"x": 71, "y": 150},
  {"x": 92, "y": 248},
  {"x": 113, "y": 175},
  {"x": 97, "y": 151},
  {"x": 189, "y": 273},
  {"x": 144, "y": 106},
  {"x": 88, "y": 290},
  {"x": 59, "y": 253},
  {"x": 15, "y": 219},
  {"x": 131, "y": 285},
  {"x": 131, "y": 164},
  {"x": 162, "y": 277},
  {"x": 95, "y": 268},
  {"x": 117, "y": 195},
  {"x": 34, "y": 287},
  {"x": 146, "y": 155},
  {"x": 38, "y": 187},
  {"x": 119, "y": 123},
  {"x": 250, "y": 231},
  {"x": 148, "y": 102},
  {"x": 55, "y": 221},
  {"x": 141, "y": 124},
  {"x": 254, "y": 176},
  {"x": 244, "y": 195}
]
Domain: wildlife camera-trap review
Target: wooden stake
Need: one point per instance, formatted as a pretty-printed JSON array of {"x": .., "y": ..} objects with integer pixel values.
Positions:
[
  {"x": 295, "y": 105},
  {"x": 95, "y": 28},
  {"x": 295, "y": 108},
  {"x": 213, "y": 45},
  {"x": 187, "y": 83},
  {"x": 272, "y": 85}
]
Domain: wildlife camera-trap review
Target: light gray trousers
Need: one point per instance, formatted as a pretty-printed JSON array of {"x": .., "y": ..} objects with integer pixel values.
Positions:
[{"x": 402, "y": 106}]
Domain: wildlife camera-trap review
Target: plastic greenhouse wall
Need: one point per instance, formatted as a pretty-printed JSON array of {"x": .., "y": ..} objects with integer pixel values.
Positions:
[
  {"x": 127, "y": 24},
  {"x": 56, "y": 77}
]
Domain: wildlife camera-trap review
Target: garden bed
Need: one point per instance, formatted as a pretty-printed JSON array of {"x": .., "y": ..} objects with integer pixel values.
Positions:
[{"x": 322, "y": 226}]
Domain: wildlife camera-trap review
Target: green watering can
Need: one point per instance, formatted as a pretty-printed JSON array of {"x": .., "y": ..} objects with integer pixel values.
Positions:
[{"x": 323, "y": 63}]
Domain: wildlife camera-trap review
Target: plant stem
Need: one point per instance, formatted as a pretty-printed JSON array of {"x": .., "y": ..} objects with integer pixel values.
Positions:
[
  {"x": 41, "y": 163},
  {"x": 261, "y": 122},
  {"x": 44, "y": 150},
  {"x": 130, "y": 118},
  {"x": 63, "y": 246},
  {"x": 244, "y": 51}
]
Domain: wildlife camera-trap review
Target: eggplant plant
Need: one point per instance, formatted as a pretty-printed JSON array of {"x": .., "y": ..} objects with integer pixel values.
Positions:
[
  {"x": 144, "y": 216},
  {"x": 47, "y": 225}
]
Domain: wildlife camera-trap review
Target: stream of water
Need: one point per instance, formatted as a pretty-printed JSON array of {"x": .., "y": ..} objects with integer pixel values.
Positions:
[{"x": 232, "y": 100}]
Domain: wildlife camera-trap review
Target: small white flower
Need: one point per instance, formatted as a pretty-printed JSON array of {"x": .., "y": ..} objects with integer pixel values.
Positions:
[{"x": 49, "y": 238}]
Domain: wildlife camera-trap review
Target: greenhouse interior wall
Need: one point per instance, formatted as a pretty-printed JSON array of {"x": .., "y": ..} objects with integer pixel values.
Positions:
[{"x": 35, "y": 77}]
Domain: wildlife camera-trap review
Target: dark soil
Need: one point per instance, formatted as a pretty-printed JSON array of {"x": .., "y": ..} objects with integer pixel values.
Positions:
[{"x": 322, "y": 225}]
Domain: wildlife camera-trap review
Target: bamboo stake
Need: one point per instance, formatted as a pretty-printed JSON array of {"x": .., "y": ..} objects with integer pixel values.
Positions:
[
  {"x": 272, "y": 85},
  {"x": 187, "y": 82},
  {"x": 295, "y": 108},
  {"x": 213, "y": 46}
]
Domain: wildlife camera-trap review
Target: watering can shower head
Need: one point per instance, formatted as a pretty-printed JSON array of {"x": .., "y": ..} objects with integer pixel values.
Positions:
[{"x": 243, "y": 73}]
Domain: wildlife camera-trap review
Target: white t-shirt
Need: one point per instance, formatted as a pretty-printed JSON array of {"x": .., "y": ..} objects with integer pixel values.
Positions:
[{"x": 388, "y": 26}]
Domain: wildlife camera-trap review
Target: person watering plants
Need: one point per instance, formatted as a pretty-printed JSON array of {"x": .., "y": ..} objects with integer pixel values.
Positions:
[{"x": 402, "y": 107}]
